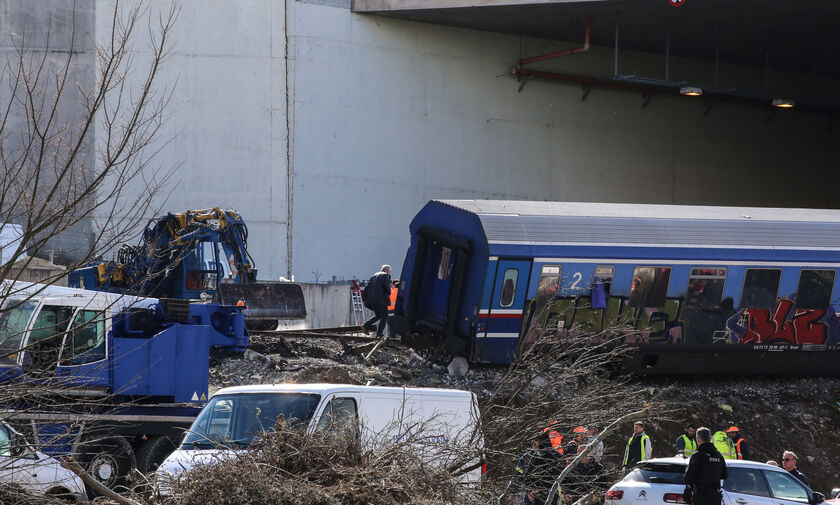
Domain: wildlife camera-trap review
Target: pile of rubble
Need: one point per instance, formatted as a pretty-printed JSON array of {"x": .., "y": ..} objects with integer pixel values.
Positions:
[{"x": 299, "y": 358}]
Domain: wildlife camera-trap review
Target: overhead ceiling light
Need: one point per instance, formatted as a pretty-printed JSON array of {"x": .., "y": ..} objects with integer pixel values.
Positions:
[
  {"x": 784, "y": 103},
  {"x": 690, "y": 91}
]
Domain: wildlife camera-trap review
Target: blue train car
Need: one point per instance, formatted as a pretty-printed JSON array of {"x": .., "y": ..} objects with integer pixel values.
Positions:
[{"x": 696, "y": 289}]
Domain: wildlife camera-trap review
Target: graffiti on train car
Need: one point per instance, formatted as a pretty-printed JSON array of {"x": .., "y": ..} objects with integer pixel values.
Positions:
[
  {"x": 637, "y": 325},
  {"x": 785, "y": 324},
  {"x": 676, "y": 322}
]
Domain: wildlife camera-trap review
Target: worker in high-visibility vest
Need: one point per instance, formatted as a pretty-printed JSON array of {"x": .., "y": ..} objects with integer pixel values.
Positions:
[
  {"x": 742, "y": 450},
  {"x": 687, "y": 443},
  {"x": 393, "y": 299},
  {"x": 724, "y": 445},
  {"x": 555, "y": 437},
  {"x": 638, "y": 447}
]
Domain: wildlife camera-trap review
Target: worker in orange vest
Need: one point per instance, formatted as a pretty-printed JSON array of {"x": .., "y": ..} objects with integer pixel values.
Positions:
[
  {"x": 394, "y": 291},
  {"x": 741, "y": 447},
  {"x": 555, "y": 437}
]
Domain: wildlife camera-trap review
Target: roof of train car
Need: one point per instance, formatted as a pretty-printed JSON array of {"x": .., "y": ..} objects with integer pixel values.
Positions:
[{"x": 527, "y": 222}]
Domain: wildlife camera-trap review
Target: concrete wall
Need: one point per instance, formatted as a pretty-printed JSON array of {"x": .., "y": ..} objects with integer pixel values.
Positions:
[
  {"x": 424, "y": 111},
  {"x": 46, "y": 41},
  {"x": 386, "y": 114}
]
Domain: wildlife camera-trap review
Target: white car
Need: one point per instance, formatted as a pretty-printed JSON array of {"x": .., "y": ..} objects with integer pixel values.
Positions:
[
  {"x": 660, "y": 481},
  {"x": 34, "y": 471}
]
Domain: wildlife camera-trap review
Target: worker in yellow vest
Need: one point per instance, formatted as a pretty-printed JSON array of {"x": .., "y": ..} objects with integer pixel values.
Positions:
[
  {"x": 638, "y": 447},
  {"x": 724, "y": 445},
  {"x": 687, "y": 443}
]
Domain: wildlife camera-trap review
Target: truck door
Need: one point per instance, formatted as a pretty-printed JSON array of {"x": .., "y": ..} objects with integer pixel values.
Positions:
[
  {"x": 504, "y": 318},
  {"x": 340, "y": 415},
  {"x": 45, "y": 338}
]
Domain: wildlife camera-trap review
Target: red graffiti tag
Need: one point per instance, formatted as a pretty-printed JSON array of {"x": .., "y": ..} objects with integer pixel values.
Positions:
[{"x": 802, "y": 328}]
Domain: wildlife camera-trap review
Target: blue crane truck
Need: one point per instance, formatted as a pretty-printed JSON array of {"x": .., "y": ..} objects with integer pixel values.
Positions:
[
  {"x": 112, "y": 380},
  {"x": 192, "y": 255}
]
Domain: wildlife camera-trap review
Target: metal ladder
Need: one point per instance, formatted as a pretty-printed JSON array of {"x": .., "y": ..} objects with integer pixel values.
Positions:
[{"x": 358, "y": 304}]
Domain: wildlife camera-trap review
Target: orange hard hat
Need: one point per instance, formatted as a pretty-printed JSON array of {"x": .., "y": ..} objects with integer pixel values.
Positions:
[
  {"x": 732, "y": 429},
  {"x": 579, "y": 429},
  {"x": 240, "y": 303}
]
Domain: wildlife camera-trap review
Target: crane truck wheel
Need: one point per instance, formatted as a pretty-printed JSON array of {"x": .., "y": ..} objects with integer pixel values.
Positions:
[
  {"x": 153, "y": 451},
  {"x": 109, "y": 460}
]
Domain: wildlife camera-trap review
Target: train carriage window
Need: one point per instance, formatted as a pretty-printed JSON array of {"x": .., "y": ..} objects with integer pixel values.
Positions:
[
  {"x": 761, "y": 285},
  {"x": 705, "y": 287},
  {"x": 650, "y": 286},
  {"x": 549, "y": 282},
  {"x": 814, "y": 291},
  {"x": 443, "y": 267},
  {"x": 604, "y": 275},
  {"x": 508, "y": 287}
]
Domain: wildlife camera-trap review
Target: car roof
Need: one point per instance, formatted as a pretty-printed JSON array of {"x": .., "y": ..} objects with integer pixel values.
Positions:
[
  {"x": 324, "y": 389},
  {"x": 738, "y": 463}
]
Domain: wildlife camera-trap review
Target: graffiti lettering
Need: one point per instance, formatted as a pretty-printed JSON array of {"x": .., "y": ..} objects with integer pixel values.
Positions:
[{"x": 803, "y": 328}]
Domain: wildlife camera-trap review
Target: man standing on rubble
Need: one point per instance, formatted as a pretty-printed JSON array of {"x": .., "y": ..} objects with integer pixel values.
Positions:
[
  {"x": 706, "y": 469},
  {"x": 377, "y": 299}
]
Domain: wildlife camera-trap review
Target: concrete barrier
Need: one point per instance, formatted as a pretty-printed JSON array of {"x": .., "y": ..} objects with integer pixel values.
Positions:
[{"x": 327, "y": 306}]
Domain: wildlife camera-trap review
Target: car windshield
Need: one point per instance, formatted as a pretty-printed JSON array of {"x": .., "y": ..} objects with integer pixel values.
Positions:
[
  {"x": 14, "y": 316},
  {"x": 233, "y": 420},
  {"x": 657, "y": 473}
]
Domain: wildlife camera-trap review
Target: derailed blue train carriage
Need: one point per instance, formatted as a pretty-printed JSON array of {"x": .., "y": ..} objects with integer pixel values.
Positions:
[{"x": 697, "y": 289}]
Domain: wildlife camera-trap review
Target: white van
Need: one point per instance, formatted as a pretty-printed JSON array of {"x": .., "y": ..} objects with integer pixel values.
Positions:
[
  {"x": 34, "y": 471},
  {"x": 233, "y": 416}
]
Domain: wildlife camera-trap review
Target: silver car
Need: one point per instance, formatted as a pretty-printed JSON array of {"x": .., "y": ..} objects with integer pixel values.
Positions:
[
  {"x": 34, "y": 471},
  {"x": 660, "y": 481}
]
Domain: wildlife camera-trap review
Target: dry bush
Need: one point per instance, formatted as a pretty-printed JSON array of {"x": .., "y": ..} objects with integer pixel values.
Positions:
[
  {"x": 291, "y": 467},
  {"x": 11, "y": 494}
]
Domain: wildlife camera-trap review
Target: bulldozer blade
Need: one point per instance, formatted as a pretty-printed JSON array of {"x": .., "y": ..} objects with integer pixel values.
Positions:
[{"x": 265, "y": 300}]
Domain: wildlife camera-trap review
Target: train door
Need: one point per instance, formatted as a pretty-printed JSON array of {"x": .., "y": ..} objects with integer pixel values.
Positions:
[
  {"x": 504, "y": 316},
  {"x": 436, "y": 291}
]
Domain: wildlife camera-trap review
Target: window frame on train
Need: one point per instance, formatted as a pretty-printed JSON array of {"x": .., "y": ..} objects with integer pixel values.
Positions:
[
  {"x": 542, "y": 288},
  {"x": 744, "y": 287},
  {"x": 512, "y": 292},
  {"x": 689, "y": 299},
  {"x": 606, "y": 280},
  {"x": 648, "y": 300},
  {"x": 826, "y": 298}
]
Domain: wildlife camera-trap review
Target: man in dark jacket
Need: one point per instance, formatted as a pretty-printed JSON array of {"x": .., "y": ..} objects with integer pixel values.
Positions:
[
  {"x": 789, "y": 461},
  {"x": 378, "y": 298},
  {"x": 741, "y": 447},
  {"x": 706, "y": 469},
  {"x": 543, "y": 468},
  {"x": 587, "y": 476}
]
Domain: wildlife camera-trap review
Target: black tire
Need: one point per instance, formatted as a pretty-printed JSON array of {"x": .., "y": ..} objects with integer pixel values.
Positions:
[
  {"x": 153, "y": 451},
  {"x": 109, "y": 460},
  {"x": 62, "y": 494}
]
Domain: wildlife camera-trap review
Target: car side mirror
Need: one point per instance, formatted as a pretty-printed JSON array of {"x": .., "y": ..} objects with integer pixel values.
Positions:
[
  {"x": 18, "y": 445},
  {"x": 817, "y": 498},
  {"x": 835, "y": 492}
]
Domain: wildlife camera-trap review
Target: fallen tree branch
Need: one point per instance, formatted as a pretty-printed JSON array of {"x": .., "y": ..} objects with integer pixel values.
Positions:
[{"x": 70, "y": 464}]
